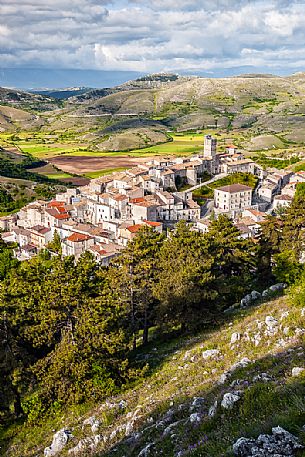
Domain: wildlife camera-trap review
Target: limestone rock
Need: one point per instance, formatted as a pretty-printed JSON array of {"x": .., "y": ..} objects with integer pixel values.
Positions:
[
  {"x": 271, "y": 322},
  {"x": 296, "y": 371},
  {"x": 241, "y": 364},
  {"x": 198, "y": 402},
  {"x": 60, "y": 439},
  {"x": 280, "y": 444},
  {"x": 229, "y": 399},
  {"x": 93, "y": 423},
  {"x": 213, "y": 409},
  {"x": 195, "y": 418},
  {"x": 84, "y": 445},
  {"x": 278, "y": 287},
  {"x": 255, "y": 295},
  {"x": 145, "y": 451},
  {"x": 235, "y": 337},
  {"x": 210, "y": 353},
  {"x": 246, "y": 301}
]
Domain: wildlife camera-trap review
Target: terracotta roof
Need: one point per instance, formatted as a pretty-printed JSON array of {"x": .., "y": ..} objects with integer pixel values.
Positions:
[
  {"x": 120, "y": 198},
  {"x": 134, "y": 228},
  {"x": 153, "y": 223},
  {"x": 231, "y": 146},
  {"x": 28, "y": 247},
  {"x": 98, "y": 249},
  {"x": 283, "y": 197},
  {"x": 257, "y": 213},
  {"x": 55, "y": 204},
  {"x": 77, "y": 237},
  {"x": 247, "y": 220},
  {"x": 233, "y": 188},
  {"x": 147, "y": 203},
  {"x": 40, "y": 229},
  {"x": 192, "y": 204},
  {"x": 54, "y": 213},
  {"x": 240, "y": 162}
]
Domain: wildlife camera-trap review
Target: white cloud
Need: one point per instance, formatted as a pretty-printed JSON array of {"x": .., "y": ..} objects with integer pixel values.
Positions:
[{"x": 152, "y": 35}]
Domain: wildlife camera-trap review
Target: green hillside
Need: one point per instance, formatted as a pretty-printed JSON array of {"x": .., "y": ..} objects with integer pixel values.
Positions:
[
  {"x": 266, "y": 112},
  {"x": 160, "y": 359}
]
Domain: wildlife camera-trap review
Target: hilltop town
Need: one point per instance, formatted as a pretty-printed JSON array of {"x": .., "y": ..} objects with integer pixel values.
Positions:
[{"x": 104, "y": 215}]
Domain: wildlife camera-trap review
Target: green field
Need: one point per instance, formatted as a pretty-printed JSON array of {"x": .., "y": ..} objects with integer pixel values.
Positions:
[
  {"x": 46, "y": 145},
  {"x": 43, "y": 146}
]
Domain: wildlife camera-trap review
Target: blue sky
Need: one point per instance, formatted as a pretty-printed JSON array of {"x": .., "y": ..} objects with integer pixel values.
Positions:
[{"x": 154, "y": 35}]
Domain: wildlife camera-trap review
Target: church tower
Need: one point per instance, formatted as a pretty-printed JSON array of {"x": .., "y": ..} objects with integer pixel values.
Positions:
[{"x": 210, "y": 145}]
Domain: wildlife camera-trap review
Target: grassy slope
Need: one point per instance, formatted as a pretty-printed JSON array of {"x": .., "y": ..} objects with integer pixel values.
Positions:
[
  {"x": 205, "y": 192},
  {"x": 179, "y": 374}
]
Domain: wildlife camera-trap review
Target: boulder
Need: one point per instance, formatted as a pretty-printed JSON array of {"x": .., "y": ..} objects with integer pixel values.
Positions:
[
  {"x": 213, "y": 409},
  {"x": 210, "y": 353},
  {"x": 145, "y": 451},
  {"x": 223, "y": 378},
  {"x": 271, "y": 322},
  {"x": 229, "y": 399},
  {"x": 255, "y": 295},
  {"x": 246, "y": 301},
  {"x": 195, "y": 418},
  {"x": 278, "y": 287},
  {"x": 241, "y": 364},
  {"x": 266, "y": 293},
  {"x": 198, "y": 402},
  {"x": 235, "y": 337},
  {"x": 296, "y": 371},
  {"x": 280, "y": 444},
  {"x": 60, "y": 439},
  {"x": 93, "y": 423},
  {"x": 170, "y": 428},
  {"x": 84, "y": 445}
]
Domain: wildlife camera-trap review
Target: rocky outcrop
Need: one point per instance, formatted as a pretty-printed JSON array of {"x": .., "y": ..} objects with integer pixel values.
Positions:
[
  {"x": 60, "y": 439},
  {"x": 210, "y": 354},
  {"x": 255, "y": 296},
  {"x": 280, "y": 444},
  {"x": 229, "y": 399}
]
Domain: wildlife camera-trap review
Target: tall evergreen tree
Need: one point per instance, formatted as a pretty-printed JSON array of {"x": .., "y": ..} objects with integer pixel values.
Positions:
[
  {"x": 233, "y": 261},
  {"x": 184, "y": 279},
  {"x": 293, "y": 235},
  {"x": 133, "y": 275}
]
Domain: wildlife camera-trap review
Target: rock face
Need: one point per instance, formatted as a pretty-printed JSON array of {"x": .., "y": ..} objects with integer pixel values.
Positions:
[
  {"x": 60, "y": 440},
  {"x": 280, "y": 444}
]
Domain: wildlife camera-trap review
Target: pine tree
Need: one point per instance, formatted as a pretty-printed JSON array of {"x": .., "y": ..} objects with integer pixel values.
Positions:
[
  {"x": 233, "y": 261},
  {"x": 133, "y": 275},
  {"x": 184, "y": 279},
  {"x": 293, "y": 238}
]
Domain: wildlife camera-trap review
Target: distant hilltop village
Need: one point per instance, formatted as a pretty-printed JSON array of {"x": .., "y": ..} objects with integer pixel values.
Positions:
[{"x": 103, "y": 216}]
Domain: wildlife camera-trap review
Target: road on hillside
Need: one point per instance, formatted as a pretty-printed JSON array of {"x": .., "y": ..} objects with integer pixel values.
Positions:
[{"x": 206, "y": 183}]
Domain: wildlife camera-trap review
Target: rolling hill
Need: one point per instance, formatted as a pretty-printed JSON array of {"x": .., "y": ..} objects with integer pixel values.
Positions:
[{"x": 265, "y": 106}]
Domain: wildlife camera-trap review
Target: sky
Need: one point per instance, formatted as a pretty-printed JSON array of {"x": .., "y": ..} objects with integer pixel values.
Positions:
[{"x": 150, "y": 36}]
